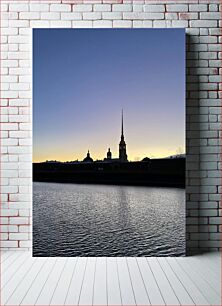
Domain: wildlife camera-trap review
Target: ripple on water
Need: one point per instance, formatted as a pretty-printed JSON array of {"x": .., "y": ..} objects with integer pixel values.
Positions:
[{"x": 99, "y": 220}]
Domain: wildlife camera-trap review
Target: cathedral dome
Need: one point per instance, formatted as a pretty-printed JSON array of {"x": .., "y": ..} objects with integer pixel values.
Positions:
[{"x": 88, "y": 158}]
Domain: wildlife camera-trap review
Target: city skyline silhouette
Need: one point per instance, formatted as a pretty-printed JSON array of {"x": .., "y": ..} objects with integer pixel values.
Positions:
[{"x": 80, "y": 89}]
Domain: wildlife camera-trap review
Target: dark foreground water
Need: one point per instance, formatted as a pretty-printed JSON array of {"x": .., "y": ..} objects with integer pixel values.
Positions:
[{"x": 100, "y": 220}]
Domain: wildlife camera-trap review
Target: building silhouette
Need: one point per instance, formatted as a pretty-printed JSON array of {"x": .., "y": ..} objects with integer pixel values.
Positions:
[
  {"x": 88, "y": 158},
  {"x": 122, "y": 150},
  {"x": 122, "y": 145}
]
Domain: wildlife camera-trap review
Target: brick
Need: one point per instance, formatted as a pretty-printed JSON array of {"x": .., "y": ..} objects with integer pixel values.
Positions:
[
  {"x": 122, "y": 7},
  {"x": 197, "y": 7},
  {"x": 92, "y": 15},
  {"x": 9, "y": 212},
  {"x": 71, "y": 16},
  {"x": 137, "y": 8},
  {"x": 9, "y": 126},
  {"x": 171, "y": 16},
  {"x": 215, "y": 220},
  {"x": 51, "y": 16},
  {"x": 60, "y": 8},
  {"x": 203, "y": 23},
  {"x": 177, "y": 8},
  {"x": 180, "y": 23},
  {"x": 82, "y": 24},
  {"x": 207, "y": 15},
  {"x": 9, "y": 244},
  {"x": 29, "y": 15},
  {"x": 102, "y": 7},
  {"x": 37, "y": 7},
  {"x": 187, "y": 16},
  {"x": 112, "y": 15},
  {"x": 60, "y": 24},
  {"x": 102, "y": 24},
  {"x": 18, "y": 236},
  {"x": 154, "y": 8},
  {"x": 135, "y": 15},
  {"x": 122, "y": 23},
  {"x": 82, "y": 8},
  {"x": 18, "y": 7}
]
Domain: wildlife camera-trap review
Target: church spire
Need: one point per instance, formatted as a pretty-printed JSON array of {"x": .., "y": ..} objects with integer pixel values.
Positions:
[
  {"x": 122, "y": 145},
  {"x": 122, "y": 125}
]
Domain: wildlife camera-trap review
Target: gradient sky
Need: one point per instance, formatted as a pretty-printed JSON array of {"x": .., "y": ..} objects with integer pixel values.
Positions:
[{"x": 84, "y": 77}]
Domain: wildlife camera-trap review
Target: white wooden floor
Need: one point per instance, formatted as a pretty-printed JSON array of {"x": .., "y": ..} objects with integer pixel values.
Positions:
[{"x": 110, "y": 281}]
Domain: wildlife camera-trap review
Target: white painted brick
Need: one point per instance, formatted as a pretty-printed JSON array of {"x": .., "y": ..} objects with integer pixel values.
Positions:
[
  {"x": 9, "y": 173},
  {"x": 51, "y": 16},
  {"x": 179, "y": 23},
  {"x": 138, "y": 8},
  {"x": 9, "y": 94},
  {"x": 9, "y": 126},
  {"x": 82, "y": 8},
  {"x": 19, "y": 102},
  {"x": 71, "y": 16},
  {"x": 122, "y": 23},
  {"x": 8, "y": 228},
  {"x": 177, "y": 8},
  {"x": 19, "y": 86},
  {"x": 25, "y": 244},
  {"x": 9, "y": 142},
  {"x": 102, "y": 24},
  {"x": 19, "y": 197},
  {"x": 29, "y": 15},
  {"x": 24, "y": 212},
  {"x": 203, "y": 23},
  {"x": 18, "y": 7},
  {"x": 197, "y": 7},
  {"x": 102, "y": 7},
  {"x": 60, "y": 24},
  {"x": 9, "y": 212},
  {"x": 4, "y": 7},
  {"x": 18, "y": 236},
  {"x": 39, "y": 7},
  {"x": 215, "y": 63},
  {"x": 39, "y": 24},
  {"x": 24, "y": 126},
  {"x": 122, "y": 7},
  {"x": 19, "y": 71},
  {"x": 13, "y": 47},
  {"x": 18, "y": 220},
  {"x": 154, "y": 8},
  {"x": 82, "y": 24},
  {"x": 24, "y": 229},
  {"x": 9, "y": 78},
  {"x": 138, "y": 23},
  {"x": 213, "y": 7},
  {"x": 9, "y": 31},
  {"x": 13, "y": 158},
  {"x": 162, "y": 23},
  {"x": 60, "y": 7},
  {"x": 19, "y": 118},
  {"x": 8, "y": 244},
  {"x": 171, "y": 16},
  {"x": 9, "y": 63},
  {"x": 187, "y": 16},
  {"x": 207, "y": 15},
  {"x": 135, "y": 15},
  {"x": 92, "y": 15},
  {"x": 18, "y": 23},
  {"x": 112, "y": 15}
]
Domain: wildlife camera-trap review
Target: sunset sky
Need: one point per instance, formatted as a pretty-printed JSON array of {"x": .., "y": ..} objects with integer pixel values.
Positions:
[{"x": 82, "y": 80}]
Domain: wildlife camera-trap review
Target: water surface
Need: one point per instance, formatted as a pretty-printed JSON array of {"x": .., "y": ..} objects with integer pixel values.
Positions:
[{"x": 103, "y": 220}]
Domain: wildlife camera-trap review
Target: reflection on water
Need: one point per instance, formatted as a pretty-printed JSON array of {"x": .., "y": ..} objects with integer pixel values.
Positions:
[{"x": 100, "y": 220}]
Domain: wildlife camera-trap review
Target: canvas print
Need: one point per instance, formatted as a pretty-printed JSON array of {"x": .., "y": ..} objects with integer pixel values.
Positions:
[{"x": 109, "y": 142}]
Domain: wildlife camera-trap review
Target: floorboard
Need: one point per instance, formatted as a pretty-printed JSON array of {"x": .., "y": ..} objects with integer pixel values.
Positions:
[{"x": 28, "y": 280}]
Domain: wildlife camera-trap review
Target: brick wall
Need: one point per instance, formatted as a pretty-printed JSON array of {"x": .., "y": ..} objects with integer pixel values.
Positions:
[{"x": 201, "y": 18}]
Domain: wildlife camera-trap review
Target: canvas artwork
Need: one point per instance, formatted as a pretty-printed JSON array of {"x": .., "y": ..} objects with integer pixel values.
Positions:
[{"x": 109, "y": 142}]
